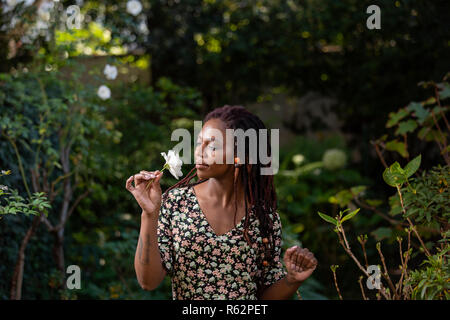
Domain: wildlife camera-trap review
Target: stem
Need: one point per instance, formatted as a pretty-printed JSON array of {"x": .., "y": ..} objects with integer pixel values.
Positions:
[
  {"x": 379, "y": 154},
  {"x": 404, "y": 266},
  {"x": 19, "y": 161},
  {"x": 336, "y": 284},
  {"x": 363, "y": 245},
  {"x": 386, "y": 274},
  {"x": 362, "y": 288},
  {"x": 166, "y": 166},
  {"x": 440, "y": 107},
  {"x": 445, "y": 154},
  {"x": 378, "y": 212},
  {"x": 413, "y": 228},
  {"x": 298, "y": 295},
  {"x": 350, "y": 253}
]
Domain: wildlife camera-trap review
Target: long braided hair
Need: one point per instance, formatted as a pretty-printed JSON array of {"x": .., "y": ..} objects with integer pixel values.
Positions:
[{"x": 259, "y": 190}]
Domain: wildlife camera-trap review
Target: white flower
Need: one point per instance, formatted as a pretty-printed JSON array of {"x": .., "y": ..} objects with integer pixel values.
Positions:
[
  {"x": 11, "y": 3},
  {"x": 104, "y": 92},
  {"x": 143, "y": 28},
  {"x": 134, "y": 7},
  {"x": 174, "y": 163},
  {"x": 298, "y": 159},
  {"x": 110, "y": 72},
  {"x": 334, "y": 159}
]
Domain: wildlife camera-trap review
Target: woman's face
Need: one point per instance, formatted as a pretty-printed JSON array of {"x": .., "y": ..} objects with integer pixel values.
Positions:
[{"x": 210, "y": 151}]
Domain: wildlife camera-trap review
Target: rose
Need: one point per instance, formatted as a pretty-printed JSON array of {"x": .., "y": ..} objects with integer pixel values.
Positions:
[
  {"x": 104, "y": 92},
  {"x": 173, "y": 163},
  {"x": 134, "y": 7},
  {"x": 110, "y": 72}
]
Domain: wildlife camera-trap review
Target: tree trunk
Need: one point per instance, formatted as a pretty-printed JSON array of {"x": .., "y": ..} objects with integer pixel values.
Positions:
[{"x": 16, "y": 282}]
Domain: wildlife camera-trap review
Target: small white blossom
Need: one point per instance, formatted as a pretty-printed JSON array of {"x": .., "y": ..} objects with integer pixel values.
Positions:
[
  {"x": 104, "y": 92},
  {"x": 298, "y": 159},
  {"x": 44, "y": 10},
  {"x": 143, "y": 28},
  {"x": 134, "y": 7},
  {"x": 110, "y": 72},
  {"x": 11, "y": 3}
]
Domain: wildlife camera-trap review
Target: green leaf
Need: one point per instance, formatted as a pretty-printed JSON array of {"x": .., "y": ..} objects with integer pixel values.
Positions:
[
  {"x": 374, "y": 202},
  {"x": 350, "y": 215},
  {"x": 394, "y": 175},
  {"x": 444, "y": 93},
  {"x": 425, "y": 134},
  {"x": 405, "y": 127},
  {"x": 413, "y": 166},
  {"x": 419, "y": 111},
  {"x": 357, "y": 190},
  {"x": 382, "y": 233},
  {"x": 397, "y": 146},
  {"x": 328, "y": 218},
  {"x": 342, "y": 198},
  {"x": 394, "y": 118}
]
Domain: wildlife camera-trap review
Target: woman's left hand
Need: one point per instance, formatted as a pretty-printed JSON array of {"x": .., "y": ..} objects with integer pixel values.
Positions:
[{"x": 300, "y": 264}]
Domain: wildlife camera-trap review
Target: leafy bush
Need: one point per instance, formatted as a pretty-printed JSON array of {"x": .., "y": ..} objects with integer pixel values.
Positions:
[{"x": 422, "y": 202}]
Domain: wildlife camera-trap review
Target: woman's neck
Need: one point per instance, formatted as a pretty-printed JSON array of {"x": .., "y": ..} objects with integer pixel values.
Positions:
[{"x": 221, "y": 190}]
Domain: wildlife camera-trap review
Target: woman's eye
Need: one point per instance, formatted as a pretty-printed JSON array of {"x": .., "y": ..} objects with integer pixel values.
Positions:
[{"x": 213, "y": 148}]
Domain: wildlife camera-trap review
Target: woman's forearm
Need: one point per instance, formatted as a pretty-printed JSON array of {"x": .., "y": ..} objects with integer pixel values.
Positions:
[
  {"x": 147, "y": 259},
  {"x": 283, "y": 289}
]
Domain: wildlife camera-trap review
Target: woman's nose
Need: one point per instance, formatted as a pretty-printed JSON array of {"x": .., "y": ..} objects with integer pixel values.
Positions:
[{"x": 199, "y": 152}]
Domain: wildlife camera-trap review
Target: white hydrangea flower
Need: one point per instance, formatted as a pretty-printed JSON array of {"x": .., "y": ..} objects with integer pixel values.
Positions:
[
  {"x": 334, "y": 159},
  {"x": 104, "y": 92},
  {"x": 110, "y": 72},
  {"x": 134, "y": 7}
]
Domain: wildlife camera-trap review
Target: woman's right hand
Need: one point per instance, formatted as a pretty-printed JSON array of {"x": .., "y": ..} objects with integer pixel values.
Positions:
[{"x": 149, "y": 200}]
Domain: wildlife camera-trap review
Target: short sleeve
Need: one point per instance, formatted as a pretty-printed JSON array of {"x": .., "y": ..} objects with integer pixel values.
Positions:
[
  {"x": 164, "y": 232},
  {"x": 275, "y": 270}
]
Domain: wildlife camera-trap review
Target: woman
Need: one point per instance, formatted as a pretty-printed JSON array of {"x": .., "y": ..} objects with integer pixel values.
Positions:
[{"x": 191, "y": 234}]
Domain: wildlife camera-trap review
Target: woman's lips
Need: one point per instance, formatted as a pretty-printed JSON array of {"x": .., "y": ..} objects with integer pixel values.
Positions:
[{"x": 201, "y": 166}]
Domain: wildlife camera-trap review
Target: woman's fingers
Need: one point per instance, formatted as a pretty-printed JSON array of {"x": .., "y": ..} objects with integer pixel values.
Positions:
[
  {"x": 158, "y": 176},
  {"x": 311, "y": 261},
  {"x": 148, "y": 174},
  {"x": 289, "y": 256},
  {"x": 300, "y": 258},
  {"x": 139, "y": 178},
  {"x": 129, "y": 184}
]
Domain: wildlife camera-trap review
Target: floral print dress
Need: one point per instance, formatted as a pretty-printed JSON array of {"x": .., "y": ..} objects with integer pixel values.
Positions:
[{"x": 203, "y": 265}]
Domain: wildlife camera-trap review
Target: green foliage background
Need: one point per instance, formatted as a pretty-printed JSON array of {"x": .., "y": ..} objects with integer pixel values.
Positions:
[{"x": 200, "y": 55}]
